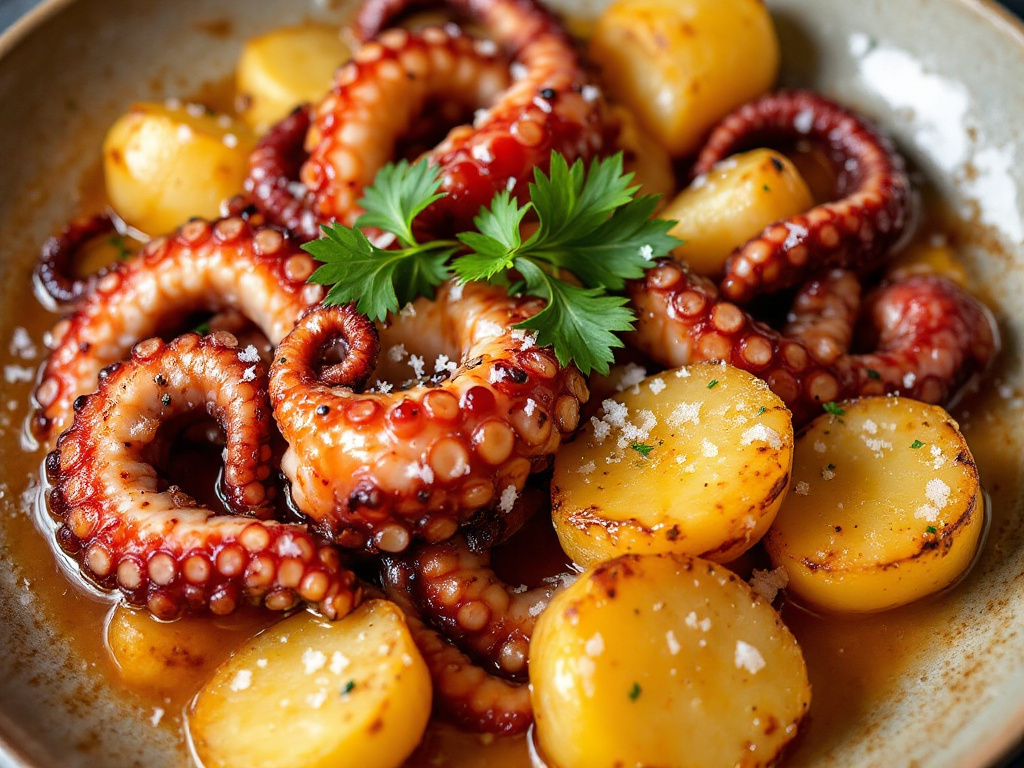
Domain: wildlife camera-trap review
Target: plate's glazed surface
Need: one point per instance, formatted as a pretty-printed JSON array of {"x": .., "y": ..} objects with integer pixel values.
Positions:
[{"x": 941, "y": 75}]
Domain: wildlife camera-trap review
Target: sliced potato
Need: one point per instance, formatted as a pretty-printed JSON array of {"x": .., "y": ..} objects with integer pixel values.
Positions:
[
  {"x": 165, "y": 163},
  {"x": 695, "y": 461},
  {"x": 885, "y": 506},
  {"x": 682, "y": 65},
  {"x": 731, "y": 204},
  {"x": 310, "y": 693},
  {"x": 664, "y": 660},
  {"x": 286, "y": 67},
  {"x": 177, "y": 656}
]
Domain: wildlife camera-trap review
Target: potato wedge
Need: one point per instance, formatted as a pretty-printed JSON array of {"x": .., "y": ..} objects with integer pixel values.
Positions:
[
  {"x": 177, "y": 656},
  {"x": 165, "y": 163},
  {"x": 286, "y": 67},
  {"x": 310, "y": 693},
  {"x": 682, "y": 65},
  {"x": 733, "y": 202},
  {"x": 695, "y": 461},
  {"x": 885, "y": 506},
  {"x": 664, "y": 660}
]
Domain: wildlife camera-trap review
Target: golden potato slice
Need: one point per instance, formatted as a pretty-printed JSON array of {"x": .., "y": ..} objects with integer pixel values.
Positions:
[
  {"x": 310, "y": 693},
  {"x": 664, "y": 660},
  {"x": 885, "y": 506},
  {"x": 177, "y": 656},
  {"x": 695, "y": 460},
  {"x": 642, "y": 156},
  {"x": 732, "y": 203},
  {"x": 682, "y": 65},
  {"x": 286, "y": 67},
  {"x": 165, "y": 163}
]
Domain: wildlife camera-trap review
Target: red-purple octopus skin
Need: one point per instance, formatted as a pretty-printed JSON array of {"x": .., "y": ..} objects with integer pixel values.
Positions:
[
  {"x": 476, "y": 408},
  {"x": 162, "y": 550},
  {"x": 204, "y": 266},
  {"x": 929, "y": 335},
  {"x": 551, "y": 106},
  {"x": 874, "y": 206},
  {"x": 57, "y": 286},
  {"x": 465, "y": 693}
]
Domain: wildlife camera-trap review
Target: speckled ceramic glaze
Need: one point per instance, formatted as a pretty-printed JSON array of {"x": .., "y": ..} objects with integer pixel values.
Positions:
[{"x": 942, "y": 76}]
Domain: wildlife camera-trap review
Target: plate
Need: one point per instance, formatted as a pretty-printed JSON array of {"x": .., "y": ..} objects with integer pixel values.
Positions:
[{"x": 939, "y": 685}]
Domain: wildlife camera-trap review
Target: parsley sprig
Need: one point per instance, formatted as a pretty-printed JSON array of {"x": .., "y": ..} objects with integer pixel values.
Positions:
[{"x": 592, "y": 234}]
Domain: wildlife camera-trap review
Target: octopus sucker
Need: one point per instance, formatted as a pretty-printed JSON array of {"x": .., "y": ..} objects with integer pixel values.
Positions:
[
  {"x": 872, "y": 212},
  {"x": 463, "y": 409},
  {"x": 550, "y": 106},
  {"x": 157, "y": 545},
  {"x": 57, "y": 285},
  {"x": 929, "y": 336},
  {"x": 203, "y": 266},
  {"x": 465, "y": 693}
]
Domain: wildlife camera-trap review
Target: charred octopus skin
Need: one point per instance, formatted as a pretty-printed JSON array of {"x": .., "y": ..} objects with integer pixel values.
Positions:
[
  {"x": 551, "y": 105},
  {"x": 378, "y": 98},
  {"x": 57, "y": 285},
  {"x": 929, "y": 336},
  {"x": 158, "y": 546},
  {"x": 857, "y": 230},
  {"x": 375, "y": 468},
  {"x": 204, "y": 266}
]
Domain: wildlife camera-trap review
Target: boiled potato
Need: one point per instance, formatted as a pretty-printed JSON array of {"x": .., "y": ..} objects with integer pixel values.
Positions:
[
  {"x": 642, "y": 156},
  {"x": 731, "y": 204},
  {"x": 287, "y": 67},
  {"x": 176, "y": 656},
  {"x": 664, "y": 660},
  {"x": 682, "y": 65},
  {"x": 695, "y": 460},
  {"x": 928, "y": 257},
  {"x": 165, "y": 163},
  {"x": 310, "y": 693},
  {"x": 885, "y": 506}
]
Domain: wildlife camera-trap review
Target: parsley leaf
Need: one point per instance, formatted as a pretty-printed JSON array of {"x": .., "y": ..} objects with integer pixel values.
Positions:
[
  {"x": 833, "y": 408},
  {"x": 589, "y": 223},
  {"x": 641, "y": 448}
]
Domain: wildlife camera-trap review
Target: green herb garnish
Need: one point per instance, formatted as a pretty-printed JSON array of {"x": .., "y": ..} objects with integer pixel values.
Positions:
[
  {"x": 634, "y": 692},
  {"x": 835, "y": 410},
  {"x": 590, "y": 224},
  {"x": 761, "y": 410},
  {"x": 873, "y": 374},
  {"x": 349, "y": 687},
  {"x": 117, "y": 242},
  {"x": 643, "y": 450},
  {"x": 931, "y": 529},
  {"x": 712, "y": 384},
  {"x": 916, "y": 444}
]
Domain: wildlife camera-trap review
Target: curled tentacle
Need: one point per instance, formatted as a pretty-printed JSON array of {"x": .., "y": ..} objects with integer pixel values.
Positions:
[
  {"x": 855, "y": 231},
  {"x": 202, "y": 267},
  {"x": 377, "y": 98},
  {"x": 457, "y": 592},
  {"x": 273, "y": 181},
  {"x": 376, "y": 468},
  {"x": 551, "y": 105},
  {"x": 929, "y": 335},
  {"x": 824, "y": 315},
  {"x": 56, "y": 284},
  {"x": 464, "y": 692},
  {"x": 156, "y": 544}
]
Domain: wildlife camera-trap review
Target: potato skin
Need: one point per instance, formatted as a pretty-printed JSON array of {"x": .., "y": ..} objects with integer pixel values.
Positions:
[
  {"x": 664, "y": 660},
  {"x": 166, "y": 163},
  {"x": 682, "y": 65},
  {"x": 885, "y": 508},
  {"x": 732, "y": 203},
  {"x": 705, "y": 477}
]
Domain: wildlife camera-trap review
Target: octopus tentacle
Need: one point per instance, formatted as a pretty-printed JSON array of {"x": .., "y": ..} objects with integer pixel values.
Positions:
[
  {"x": 273, "y": 181},
  {"x": 930, "y": 338},
  {"x": 855, "y": 231},
  {"x": 158, "y": 546},
  {"x": 824, "y": 314},
  {"x": 458, "y": 592},
  {"x": 551, "y": 106},
  {"x": 56, "y": 285},
  {"x": 464, "y": 692},
  {"x": 375, "y": 468},
  {"x": 377, "y": 97},
  {"x": 203, "y": 266}
]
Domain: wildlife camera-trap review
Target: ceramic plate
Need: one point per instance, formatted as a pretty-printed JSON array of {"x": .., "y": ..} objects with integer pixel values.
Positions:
[{"x": 939, "y": 685}]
